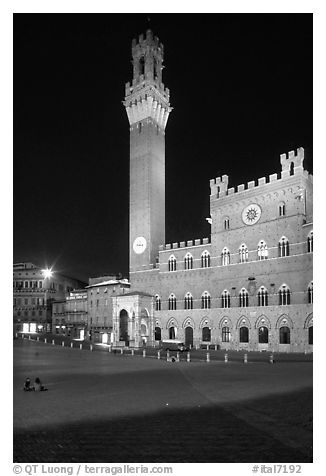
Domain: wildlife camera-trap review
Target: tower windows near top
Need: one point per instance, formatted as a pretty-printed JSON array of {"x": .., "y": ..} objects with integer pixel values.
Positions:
[
  {"x": 283, "y": 247},
  {"x": 142, "y": 65},
  {"x": 226, "y": 223},
  {"x": 281, "y": 209}
]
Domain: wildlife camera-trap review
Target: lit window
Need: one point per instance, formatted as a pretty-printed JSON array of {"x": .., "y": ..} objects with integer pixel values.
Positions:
[
  {"x": 205, "y": 260},
  {"x": 205, "y": 300},
  {"x": 262, "y": 296},
  {"x": 226, "y": 334},
  {"x": 262, "y": 250},
  {"x": 225, "y": 257},
  {"x": 188, "y": 261},
  {"x": 243, "y": 298},
  {"x": 283, "y": 247},
  {"x": 188, "y": 301},
  {"x": 226, "y": 299},
  {"x": 243, "y": 253}
]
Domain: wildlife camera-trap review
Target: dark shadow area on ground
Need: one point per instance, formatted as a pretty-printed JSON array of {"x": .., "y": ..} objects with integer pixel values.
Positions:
[{"x": 211, "y": 434}]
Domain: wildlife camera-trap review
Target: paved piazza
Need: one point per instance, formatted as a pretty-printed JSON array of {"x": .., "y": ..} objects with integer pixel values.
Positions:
[{"x": 102, "y": 407}]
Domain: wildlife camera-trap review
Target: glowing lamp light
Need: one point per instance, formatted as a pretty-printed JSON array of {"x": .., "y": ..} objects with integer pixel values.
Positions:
[{"x": 47, "y": 273}]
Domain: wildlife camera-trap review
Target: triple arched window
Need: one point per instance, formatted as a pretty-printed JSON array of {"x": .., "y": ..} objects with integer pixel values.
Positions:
[
  {"x": 172, "y": 302},
  {"x": 188, "y": 261},
  {"x": 188, "y": 301},
  {"x": 243, "y": 298},
  {"x": 243, "y": 253},
  {"x": 226, "y": 299},
  {"x": 205, "y": 259},
  {"x": 172, "y": 263},
  {"x": 262, "y": 250},
  {"x": 205, "y": 300},
  {"x": 283, "y": 247},
  {"x": 225, "y": 257},
  {"x": 262, "y": 296},
  {"x": 284, "y": 295}
]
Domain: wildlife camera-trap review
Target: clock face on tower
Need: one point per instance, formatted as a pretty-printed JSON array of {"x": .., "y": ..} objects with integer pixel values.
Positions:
[
  {"x": 251, "y": 214},
  {"x": 139, "y": 245}
]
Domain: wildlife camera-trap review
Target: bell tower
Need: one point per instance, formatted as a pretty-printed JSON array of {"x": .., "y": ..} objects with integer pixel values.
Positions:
[{"x": 147, "y": 105}]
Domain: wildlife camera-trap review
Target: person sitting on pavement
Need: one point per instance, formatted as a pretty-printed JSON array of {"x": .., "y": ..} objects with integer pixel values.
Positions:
[
  {"x": 27, "y": 385},
  {"x": 38, "y": 386}
]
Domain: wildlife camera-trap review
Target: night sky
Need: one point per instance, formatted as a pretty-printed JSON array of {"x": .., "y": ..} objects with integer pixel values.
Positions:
[{"x": 241, "y": 89}]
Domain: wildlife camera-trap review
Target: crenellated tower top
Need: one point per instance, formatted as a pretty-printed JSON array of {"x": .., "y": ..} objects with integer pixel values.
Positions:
[{"x": 146, "y": 96}]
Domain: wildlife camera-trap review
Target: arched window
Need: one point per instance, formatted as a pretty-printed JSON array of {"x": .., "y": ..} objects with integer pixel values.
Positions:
[
  {"x": 244, "y": 334},
  {"x": 226, "y": 299},
  {"x": 310, "y": 242},
  {"x": 205, "y": 300},
  {"x": 262, "y": 250},
  {"x": 262, "y": 296},
  {"x": 281, "y": 209},
  {"x": 243, "y": 298},
  {"x": 205, "y": 259},
  {"x": 283, "y": 247},
  {"x": 243, "y": 253},
  {"x": 157, "y": 303},
  {"x": 310, "y": 293},
  {"x": 284, "y": 295},
  {"x": 310, "y": 335},
  {"x": 284, "y": 335},
  {"x": 172, "y": 332},
  {"x": 226, "y": 223},
  {"x": 263, "y": 335},
  {"x": 226, "y": 334},
  {"x": 188, "y": 301},
  {"x": 172, "y": 263},
  {"x": 158, "y": 333},
  {"x": 206, "y": 334},
  {"x": 172, "y": 302},
  {"x": 188, "y": 261},
  {"x": 225, "y": 257}
]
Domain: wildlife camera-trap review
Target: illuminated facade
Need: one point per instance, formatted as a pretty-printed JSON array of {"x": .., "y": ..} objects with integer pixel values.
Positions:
[
  {"x": 246, "y": 286},
  {"x": 34, "y": 291}
]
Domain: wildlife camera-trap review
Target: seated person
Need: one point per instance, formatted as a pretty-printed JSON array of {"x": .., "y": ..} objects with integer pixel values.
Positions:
[
  {"x": 27, "y": 385},
  {"x": 38, "y": 386}
]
